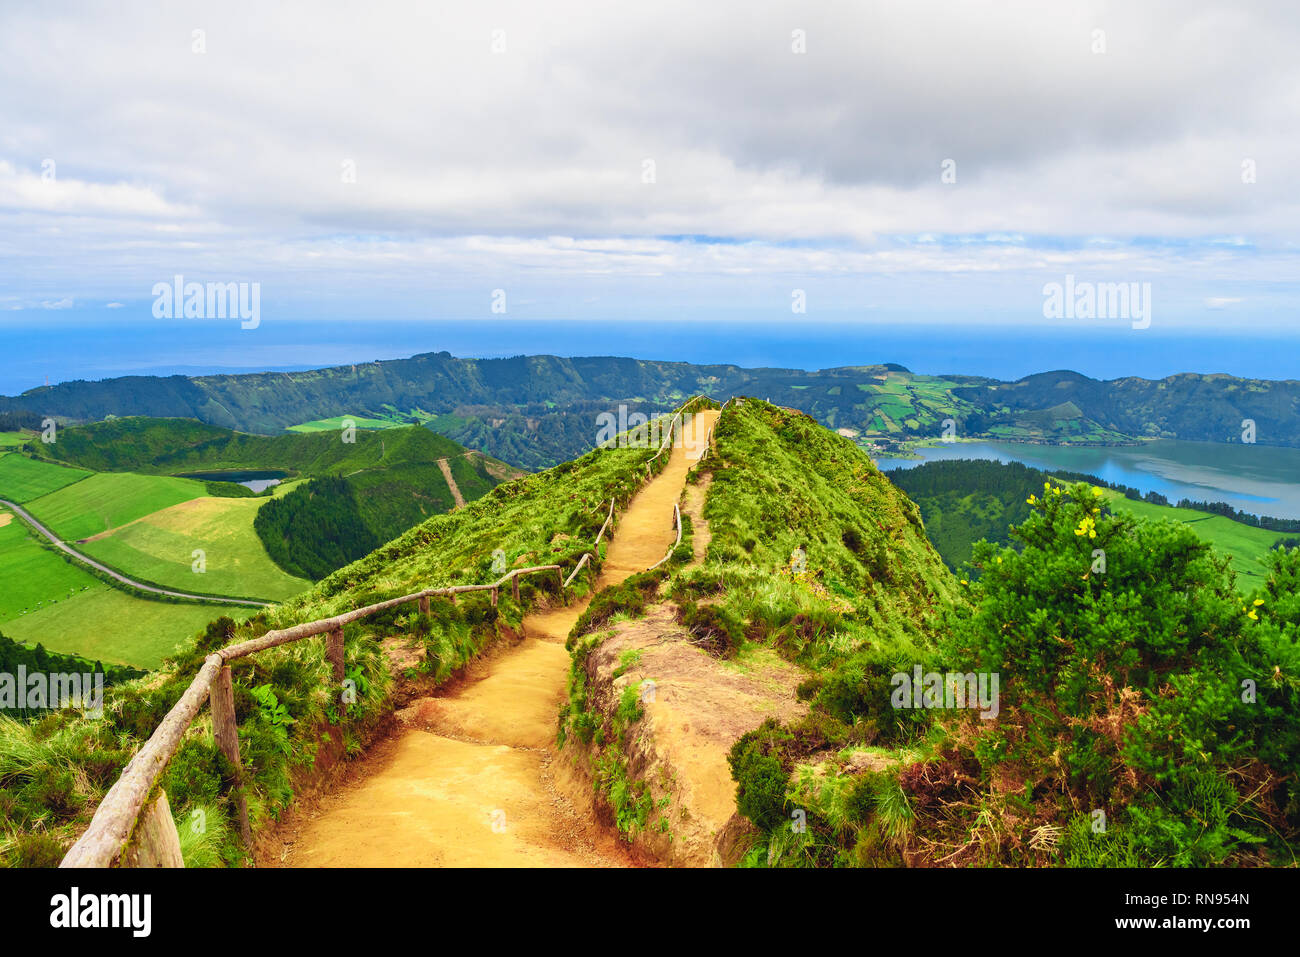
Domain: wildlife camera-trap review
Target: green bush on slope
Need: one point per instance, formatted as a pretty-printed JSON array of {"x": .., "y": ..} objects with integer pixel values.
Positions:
[{"x": 1147, "y": 713}]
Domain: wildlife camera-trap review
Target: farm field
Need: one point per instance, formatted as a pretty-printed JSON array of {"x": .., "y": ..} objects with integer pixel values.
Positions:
[
  {"x": 9, "y": 440},
  {"x": 107, "y": 500},
  {"x": 23, "y": 479},
  {"x": 1245, "y": 545},
  {"x": 32, "y": 574},
  {"x": 336, "y": 422},
  {"x": 50, "y": 600},
  {"x": 112, "y": 626},
  {"x": 159, "y": 549}
]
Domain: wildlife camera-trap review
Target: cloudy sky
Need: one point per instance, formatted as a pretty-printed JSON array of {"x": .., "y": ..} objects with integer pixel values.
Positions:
[{"x": 692, "y": 160}]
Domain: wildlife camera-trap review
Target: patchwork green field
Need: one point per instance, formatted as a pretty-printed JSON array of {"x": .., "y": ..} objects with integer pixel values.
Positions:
[
  {"x": 159, "y": 548},
  {"x": 50, "y": 600},
  {"x": 23, "y": 479},
  {"x": 108, "y": 500},
  {"x": 1243, "y": 544},
  {"x": 13, "y": 439}
]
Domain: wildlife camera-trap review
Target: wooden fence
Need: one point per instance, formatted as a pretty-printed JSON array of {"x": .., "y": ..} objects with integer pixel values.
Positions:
[{"x": 112, "y": 837}]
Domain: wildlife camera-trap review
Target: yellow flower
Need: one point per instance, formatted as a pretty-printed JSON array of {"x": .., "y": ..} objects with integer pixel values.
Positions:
[
  {"x": 965, "y": 582},
  {"x": 1096, "y": 491},
  {"x": 1032, "y": 499},
  {"x": 1258, "y": 602}
]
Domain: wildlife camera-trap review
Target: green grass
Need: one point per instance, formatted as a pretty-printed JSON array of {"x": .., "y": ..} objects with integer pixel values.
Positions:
[
  {"x": 13, "y": 439},
  {"x": 1245, "y": 545},
  {"x": 32, "y": 574},
  {"x": 110, "y": 625},
  {"x": 159, "y": 549},
  {"x": 23, "y": 479},
  {"x": 335, "y": 424},
  {"x": 108, "y": 500}
]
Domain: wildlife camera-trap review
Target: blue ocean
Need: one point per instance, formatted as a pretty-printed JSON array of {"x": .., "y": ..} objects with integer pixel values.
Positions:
[{"x": 59, "y": 349}]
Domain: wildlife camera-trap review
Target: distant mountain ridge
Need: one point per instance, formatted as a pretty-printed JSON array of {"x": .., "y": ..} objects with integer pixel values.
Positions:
[{"x": 536, "y": 411}]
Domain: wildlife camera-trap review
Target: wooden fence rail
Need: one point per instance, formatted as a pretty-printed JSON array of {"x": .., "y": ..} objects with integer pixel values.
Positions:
[{"x": 114, "y": 824}]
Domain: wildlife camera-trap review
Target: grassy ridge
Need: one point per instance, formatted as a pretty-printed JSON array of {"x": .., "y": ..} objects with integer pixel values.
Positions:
[
  {"x": 781, "y": 482},
  {"x": 813, "y": 556},
  {"x": 171, "y": 446}
]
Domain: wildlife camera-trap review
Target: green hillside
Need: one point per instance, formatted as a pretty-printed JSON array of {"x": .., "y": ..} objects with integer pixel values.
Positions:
[
  {"x": 172, "y": 446},
  {"x": 159, "y": 548},
  {"x": 1246, "y": 546}
]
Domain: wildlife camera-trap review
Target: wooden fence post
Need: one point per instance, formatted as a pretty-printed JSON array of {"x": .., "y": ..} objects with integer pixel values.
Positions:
[
  {"x": 225, "y": 732},
  {"x": 334, "y": 653},
  {"x": 514, "y": 588},
  {"x": 156, "y": 842},
  {"x": 494, "y": 597},
  {"x": 424, "y": 604}
]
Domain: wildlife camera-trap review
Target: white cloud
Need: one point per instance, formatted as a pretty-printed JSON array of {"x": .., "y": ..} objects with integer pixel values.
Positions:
[{"x": 475, "y": 168}]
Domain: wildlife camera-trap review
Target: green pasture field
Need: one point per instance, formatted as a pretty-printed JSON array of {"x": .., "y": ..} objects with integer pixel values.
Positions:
[
  {"x": 112, "y": 626},
  {"x": 108, "y": 500},
  {"x": 32, "y": 574},
  {"x": 159, "y": 549},
  {"x": 23, "y": 479}
]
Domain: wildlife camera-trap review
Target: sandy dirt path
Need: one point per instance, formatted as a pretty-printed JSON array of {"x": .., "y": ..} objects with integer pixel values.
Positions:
[
  {"x": 445, "y": 466},
  {"x": 471, "y": 781}
]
